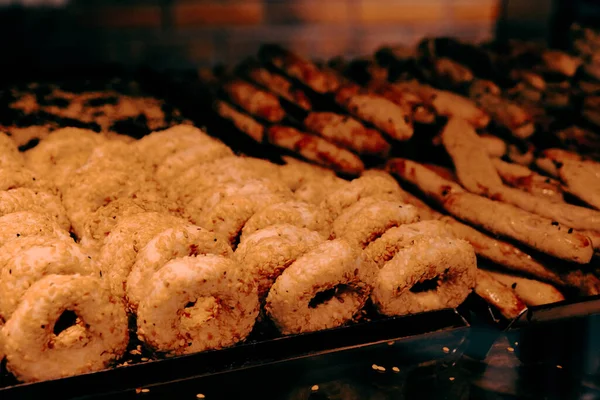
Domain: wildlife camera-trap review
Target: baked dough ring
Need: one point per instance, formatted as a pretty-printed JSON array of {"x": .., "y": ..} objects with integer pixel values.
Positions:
[
  {"x": 177, "y": 163},
  {"x": 266, "y": 253},
  {"x": 32, "y": 263},
  {"x": 34, "y": 353},
  {"x": 14, "y": 178},
  {"x": 297, "y": 213},
  {"x": 210, "y": 197},
  {"x": 225, "y": 305},
  {"x": 369, "y": 218},
  {"x": 116, "y": 155},
  {"x": 67, "y": 146},
  {"x": 23, "y": 224},
  {"x": 335, "y": 266},
  {"x": 374, "y": 185},
  {"x": 223, "y": 170},
  {"x": 314, "y": 191},
  {"x": 189, "y": 240},
  {"x": 87, "y": 192},
  {"x": 24, "y": 199},
  {"x": 101, "y": 222},
  {"x": 229, "y": 215},
  {"x": 395, "y": 239},
  {"x": 158, "y": 146},
  {"x": 296, "y": 172},
  {"x": 122, "y": 245},
  {"x": 10, "y": 157},
  {"x": 451, "y": 261}
]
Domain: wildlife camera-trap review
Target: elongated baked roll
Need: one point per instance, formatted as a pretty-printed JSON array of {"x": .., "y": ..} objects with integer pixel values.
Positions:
[
  {"x": 521, "y": 177},
  {"x": 532, "y": 292},
  {"x": 254, "y": 100},
  {"x": 499, "y": 295},
  {"x": 315, "y": 149},
  {"x": 506, "y": 220},
  {"x": 347, "y": 132},
  {"x": 473, "y": 165},
  {"x": 376, "y": 110}
]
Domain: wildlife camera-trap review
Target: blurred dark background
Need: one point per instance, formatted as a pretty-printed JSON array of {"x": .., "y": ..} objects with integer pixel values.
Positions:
[{"x": 185, "y": 33}]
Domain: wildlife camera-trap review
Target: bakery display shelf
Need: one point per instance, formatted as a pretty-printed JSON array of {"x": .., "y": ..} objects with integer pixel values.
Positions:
[{"x": 262, "y": 347}]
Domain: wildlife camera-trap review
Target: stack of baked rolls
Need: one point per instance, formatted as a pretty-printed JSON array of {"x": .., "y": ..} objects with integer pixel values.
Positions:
[{"x": 197, "y": 244}]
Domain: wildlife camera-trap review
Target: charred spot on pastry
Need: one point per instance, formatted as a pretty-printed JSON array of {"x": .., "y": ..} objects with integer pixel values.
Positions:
[
  {"x": 136, "y": 127},
  {"x": 75, "y": 123},
  {"x": 59, "y": 102},
  {"x": 446, "y": 190},
  {"x": 29, "y": 145},
  {"x": 10, "y": 116},
  {"x": 169, "y": 111},
  {"x": 102, "y": 101},
  {"x": 27, "y": 120},
  {"x": 496, "y": 197},
  {"x": 554, "y": 223},
  {"x": 42, "y": 91}
]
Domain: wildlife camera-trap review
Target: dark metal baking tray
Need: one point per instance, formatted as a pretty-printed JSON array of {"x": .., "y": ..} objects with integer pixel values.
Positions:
[
  {"x": 353, "y": 366},
  {"x": 558, "y": 311},
  {"x": 253, "y": 353}
]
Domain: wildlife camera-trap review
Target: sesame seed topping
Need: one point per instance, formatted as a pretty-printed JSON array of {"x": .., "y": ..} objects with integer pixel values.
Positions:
[
  {"x": 145, "y": 390},
  {"x": 395, "y": 369},
  {"x": 200, "y": 396},
  {"x": 445, "y": 350},
  {"x": 451, "y": 378},
  {"x": 559, "y": 366},
  {"x": 314, "y": 388},
  {"x": 510, "y": 349}
]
